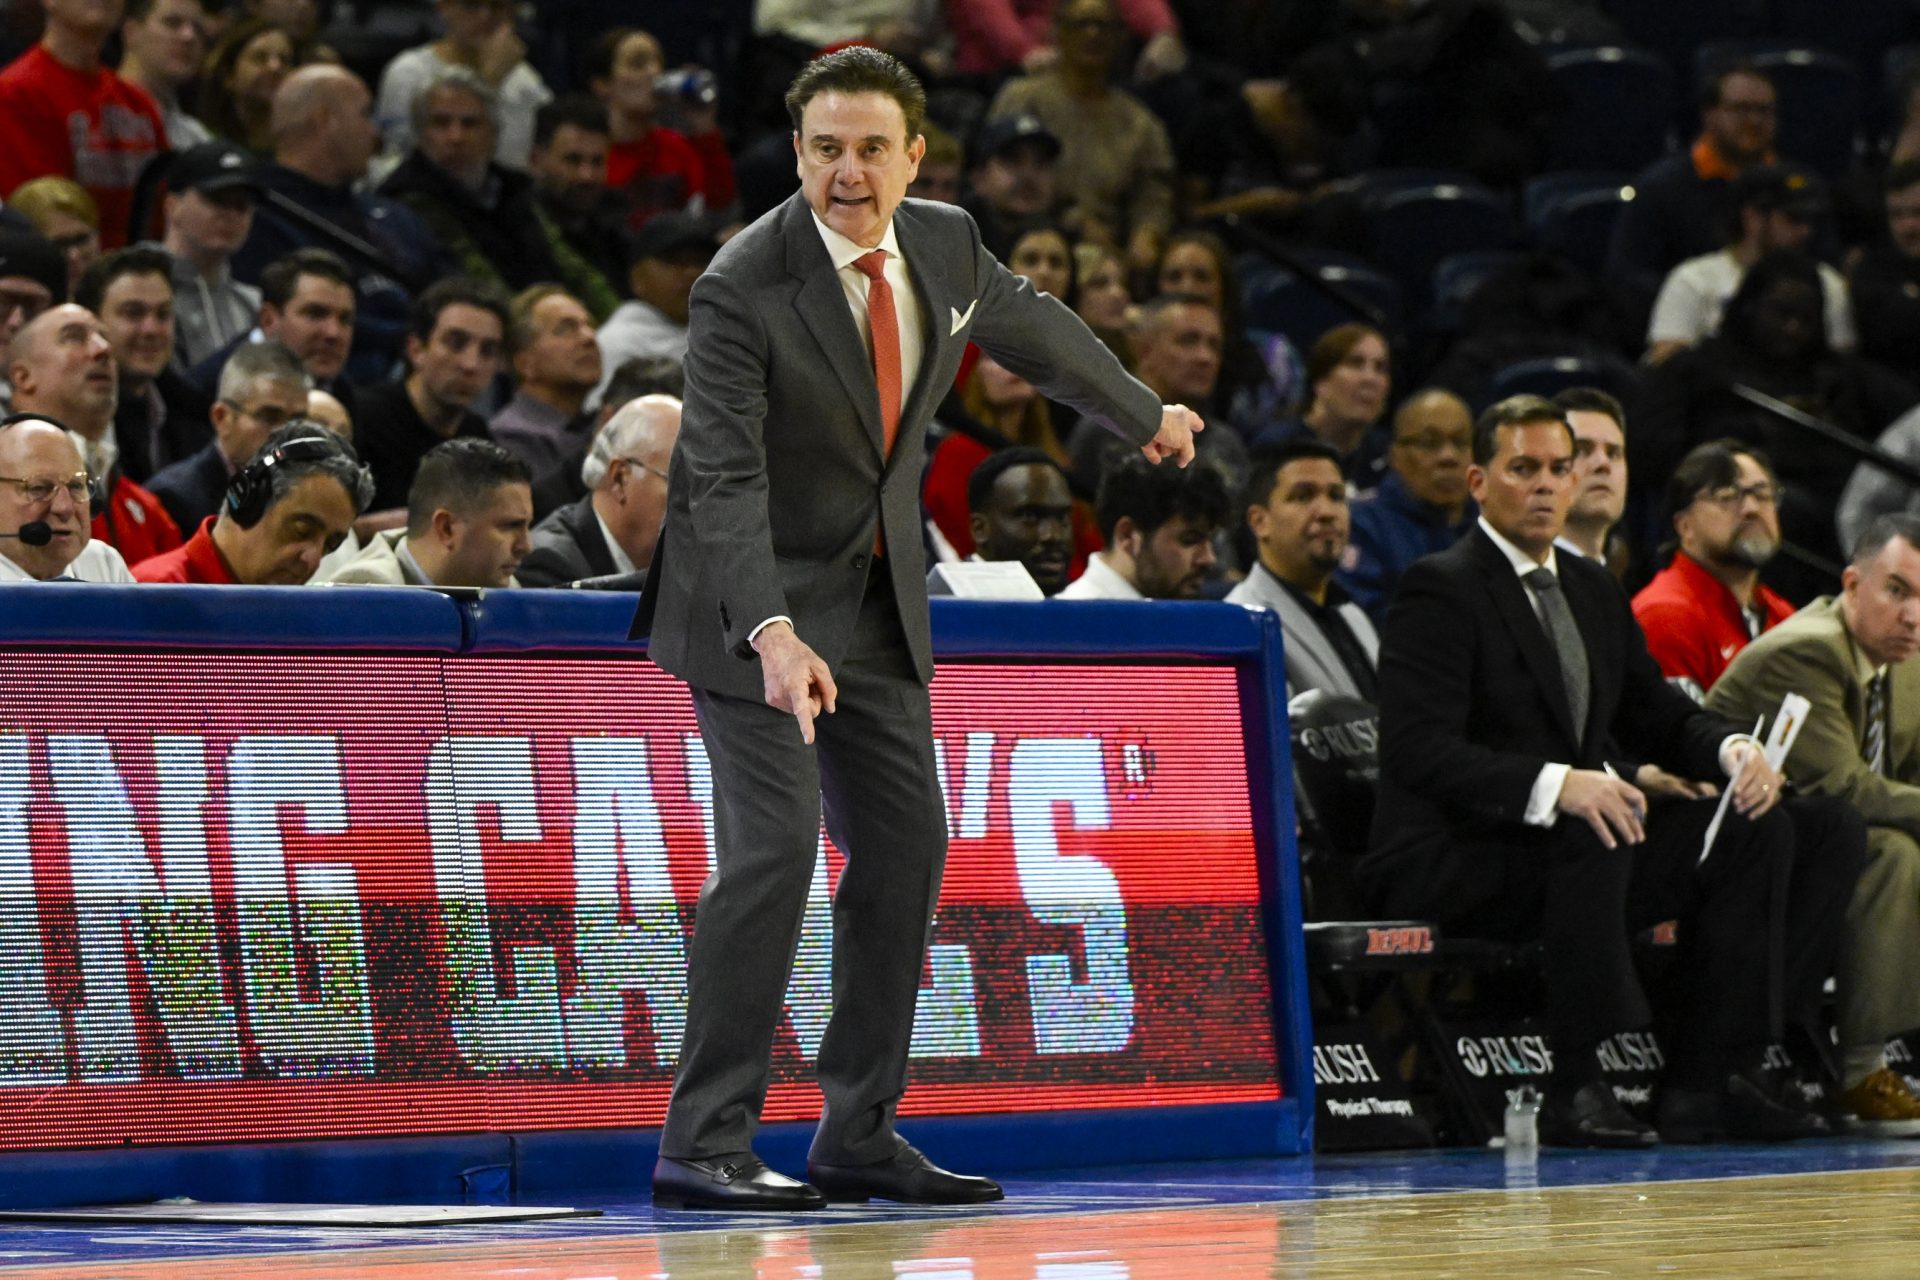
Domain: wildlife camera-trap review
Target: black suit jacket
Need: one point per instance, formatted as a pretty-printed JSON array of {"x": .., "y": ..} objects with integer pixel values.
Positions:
[
  {"x": 1472, "y": 707},
  {"x": 567, "y": 546},
  {"x": 193, "y": 488}
]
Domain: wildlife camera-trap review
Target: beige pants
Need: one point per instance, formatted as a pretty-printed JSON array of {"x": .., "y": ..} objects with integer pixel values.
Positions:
[{"x": 1879, "y": 980}]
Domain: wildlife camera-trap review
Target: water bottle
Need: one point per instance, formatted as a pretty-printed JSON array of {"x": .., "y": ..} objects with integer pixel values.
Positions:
[{"x": 1523, "y": 1120}]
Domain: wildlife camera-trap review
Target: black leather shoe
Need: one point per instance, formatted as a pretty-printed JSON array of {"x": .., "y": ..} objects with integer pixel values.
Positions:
[
  {"x": 1764, "y": 1105},
  {"x": 909, "y": 1177},
  {"x": 729, "y": 1182},
  {"x": 1591, "y": 1116}
]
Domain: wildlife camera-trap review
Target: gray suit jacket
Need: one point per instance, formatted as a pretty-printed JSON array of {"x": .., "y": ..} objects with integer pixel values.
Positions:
[
  {"x": 567, "y": 546},
  {"x": 1312, "y": 661},
  {"x": 778, "y": 481}
]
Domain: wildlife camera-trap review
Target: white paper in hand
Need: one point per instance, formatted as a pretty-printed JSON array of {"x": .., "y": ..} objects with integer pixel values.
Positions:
[{"x": 1726, "y": 796}]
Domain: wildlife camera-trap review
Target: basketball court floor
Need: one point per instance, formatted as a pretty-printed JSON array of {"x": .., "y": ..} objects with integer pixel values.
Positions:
[{"x": 1839, "y": 1207}]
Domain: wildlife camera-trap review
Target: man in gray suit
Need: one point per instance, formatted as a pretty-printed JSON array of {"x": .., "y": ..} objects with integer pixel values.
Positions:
[
  {"x": 614, "y": 528},
  {"x": 789, "y": 583},
  {"x": 1296, "y": 507}
]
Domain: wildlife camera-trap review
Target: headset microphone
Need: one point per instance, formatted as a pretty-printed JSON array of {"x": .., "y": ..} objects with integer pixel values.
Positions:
[{"x": 35, "y": 533}]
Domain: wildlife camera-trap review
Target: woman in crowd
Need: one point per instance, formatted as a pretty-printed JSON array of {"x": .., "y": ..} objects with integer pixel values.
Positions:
[
  {"x": 1349, "y": 379},
  {"x": 61, "y": 210},
  {"x": 1248, "y": 396},
  {"x": 242, "y": 74},
  {"x": 655, "y": 169},
  {"x": 1104, "y": 303},
  {"x": 1044, "y": 255}
]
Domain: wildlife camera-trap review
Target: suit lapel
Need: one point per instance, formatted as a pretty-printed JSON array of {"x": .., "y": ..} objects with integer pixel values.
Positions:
[
  {"x": 929, "y": 286},
  {"x": 822, "y": 304},
  {"x": 1511, "y": 602}
]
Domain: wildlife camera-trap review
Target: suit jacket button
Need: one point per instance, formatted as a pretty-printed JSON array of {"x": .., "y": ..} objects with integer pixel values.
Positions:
[{"x": 860, "y": 561}]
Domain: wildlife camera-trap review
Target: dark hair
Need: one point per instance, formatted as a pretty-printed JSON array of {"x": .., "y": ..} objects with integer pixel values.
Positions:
[
  {"x": 603, "y": 52},
  {"x": 216, "y": 105},
  {"x": 1778, "y": 267},
  {"x": 998, "y": 463},
  {"x": 1884, "y": 529},
  {"x": 1709, "y": 466},
  {"x": 135, "y": 260},
  {"x": 282, "y": 276},
  {"x": 1230, "y": 319},
  {"x": 1514, "y": 411},
  {"x": 859, "y": 69},
  {"x": 137, "y": 10},
  {"x": 576, "y": 109},
  {"x": 1150, "y": 495},
  {"x": 1592, "y": 400},
  {"x": 645, "y": 376},
  {"x": 1268, "y": 461},
  {"x": 1713, "y": 83},
  {"x": 453, "y": 291},
  {"x": 458, "y": 476},
  {"x": 1046, "y": 226},
  {"x": 1334, "y": 346},
  {"x": 339, "y": 461}
]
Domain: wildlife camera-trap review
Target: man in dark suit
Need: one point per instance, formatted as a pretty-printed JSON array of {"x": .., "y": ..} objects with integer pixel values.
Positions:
[
  {"x": 789, "y": 582},
  {"x": 614, "y": 529},
  {"x": 262, "y": 388},
  {"x": 1508, "y": 675}
]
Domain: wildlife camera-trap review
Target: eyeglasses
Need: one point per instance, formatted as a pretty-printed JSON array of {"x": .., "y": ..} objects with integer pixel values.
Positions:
[
  {"x": 1731, "y": 496},
  {"x": 270, "y": 418},
  {"x": 643, "y": 466},
  {"x": 1434, "y": 442},
  {"x": 40, "y": 489}
]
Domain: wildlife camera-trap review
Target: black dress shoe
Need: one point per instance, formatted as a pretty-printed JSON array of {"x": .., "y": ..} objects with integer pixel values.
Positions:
[
  {"x": 1765, "y": 1105},
  {"x": 908, "y": 1177},
  {"x": 1591, "y": 1116},
  {"x": 729, "y": 1182}
]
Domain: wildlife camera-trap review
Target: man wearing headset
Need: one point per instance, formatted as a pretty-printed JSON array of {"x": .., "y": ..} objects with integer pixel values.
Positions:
[
  {"x": 283, "y": 511},
  {"x": 46, "y": 508}
]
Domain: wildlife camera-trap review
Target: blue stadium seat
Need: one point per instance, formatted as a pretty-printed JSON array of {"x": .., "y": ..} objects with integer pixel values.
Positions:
[
  {"x": 1673, "y": 29},
  {"x": 1573, "y": 215},
  {"x": 1554, "y": 374},
  {"x": 1821, "y": 98},
  {"x": 1860, "y": 31},
  {"x": 1458, "y": 278},
  {"x": 1618, "y": 112},
  {"x": 1414, "y": 229},
  {"x": 1278, "y": 301}
]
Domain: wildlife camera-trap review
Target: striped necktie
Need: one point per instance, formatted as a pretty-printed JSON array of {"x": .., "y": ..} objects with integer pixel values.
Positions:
[{"x": 1874, "y": 745}]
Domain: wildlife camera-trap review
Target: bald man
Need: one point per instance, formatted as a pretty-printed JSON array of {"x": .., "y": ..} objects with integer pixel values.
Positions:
[
  {"x": 323, "y": 138},
  {"x": 1420, "y": 507},
  {"x": 61, "y": 364},
  {"x": 44, "y": 514}
]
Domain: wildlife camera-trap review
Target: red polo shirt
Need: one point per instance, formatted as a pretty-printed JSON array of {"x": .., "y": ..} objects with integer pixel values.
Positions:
[
  {"x": 198, "y": 561},
  {"x": 1694, "y": 625}
]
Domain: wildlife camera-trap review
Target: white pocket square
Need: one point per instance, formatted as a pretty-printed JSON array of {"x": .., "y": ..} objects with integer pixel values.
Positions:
[{"x": 960, "y": 317}]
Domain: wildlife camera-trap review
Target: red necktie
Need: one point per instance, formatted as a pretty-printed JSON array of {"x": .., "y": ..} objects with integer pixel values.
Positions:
[{"x": 885, "y": 327}]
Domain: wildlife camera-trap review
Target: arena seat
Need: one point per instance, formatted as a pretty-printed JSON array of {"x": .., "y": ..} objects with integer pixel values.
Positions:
[
  {"x": 1573, "y": 215},
  {"x": 1673, "y": 29},
  {"x": 1458, "y": 278},
  {"x": 1415, "y": 228},
  {"x": 1553, "y": 374},
  {"x": 1618, "y": 112},
  {"x": 1277, "y": 300}
]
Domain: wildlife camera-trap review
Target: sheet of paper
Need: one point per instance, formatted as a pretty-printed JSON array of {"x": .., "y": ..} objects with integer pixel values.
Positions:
[{"x": 1726, "y": 797}]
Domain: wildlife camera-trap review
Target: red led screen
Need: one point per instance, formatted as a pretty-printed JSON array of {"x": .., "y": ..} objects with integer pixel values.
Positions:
[{"x": 254, "y": 897}]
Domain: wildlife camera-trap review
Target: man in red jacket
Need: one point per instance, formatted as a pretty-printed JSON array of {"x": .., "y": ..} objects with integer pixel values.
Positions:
[
  {"x": 1705, "y": 606},
  {"x": 63, "y": 112}
]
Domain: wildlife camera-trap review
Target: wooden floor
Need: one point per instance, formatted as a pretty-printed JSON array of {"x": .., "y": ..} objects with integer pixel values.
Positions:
[{"x": 1853, "y": 1224}]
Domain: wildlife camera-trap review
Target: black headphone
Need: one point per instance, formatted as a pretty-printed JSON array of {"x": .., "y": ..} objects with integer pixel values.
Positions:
[
  {"x": 97, "y": 488},
  {"x": 250, "y": 492}
]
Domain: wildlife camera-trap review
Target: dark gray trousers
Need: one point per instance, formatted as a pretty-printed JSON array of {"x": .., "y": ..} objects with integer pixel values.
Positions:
[{"x": 872, "y": 766}]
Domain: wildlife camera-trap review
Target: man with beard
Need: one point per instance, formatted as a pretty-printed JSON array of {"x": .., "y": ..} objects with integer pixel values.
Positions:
[
  {"x": 1421, "y": 505},
  {"x": 1296, "y": 505},
  {"x": 1849, "y": 656},
  {"x": 1020, "y": 508},
  {"x": 1706, "y": 605},
  {"x": 569, "y": 165},
  {"x": 1599, "y": 470},
  {"x": 1158, "y": 524}
]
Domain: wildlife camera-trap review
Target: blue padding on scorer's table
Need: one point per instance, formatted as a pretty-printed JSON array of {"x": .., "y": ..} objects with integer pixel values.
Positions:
[{"x": 147, "y": 616}]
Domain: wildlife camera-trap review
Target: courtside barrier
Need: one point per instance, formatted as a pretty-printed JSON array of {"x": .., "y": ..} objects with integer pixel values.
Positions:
[{"x": 367, "y": 894}]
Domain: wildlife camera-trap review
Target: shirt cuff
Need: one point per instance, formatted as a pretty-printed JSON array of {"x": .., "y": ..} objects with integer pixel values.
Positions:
[
  {"x": 1545, "y": 796},
  {"x": 778, "y": 617},
  {"x": 1727, "y": 743}
]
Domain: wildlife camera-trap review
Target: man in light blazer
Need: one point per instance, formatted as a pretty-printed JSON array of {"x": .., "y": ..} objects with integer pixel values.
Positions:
[
  {"x": 1849, "y": 656},
  {"x": 788, "y": 590},
  {"x": 1296, "y": 508}
]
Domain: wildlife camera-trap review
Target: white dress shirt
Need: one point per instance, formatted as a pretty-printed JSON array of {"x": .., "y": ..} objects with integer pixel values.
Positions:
[
  {"x": 1099, "y": 582},
  {"x": 906, "y": 310},
  {"x": 97, "y": 562},
  {"x": 1545, "y": 796}
]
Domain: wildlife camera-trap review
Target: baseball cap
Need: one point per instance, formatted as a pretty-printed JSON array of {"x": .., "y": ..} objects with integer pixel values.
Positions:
[
  {"x": 213, "y": 166},
  {"x": 30, "y": 254},
  {"x": 1796, "y": 192},
  {"x": 665, "y": 234},
  {"x": 999, "y": 134}
]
